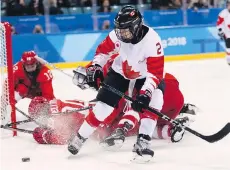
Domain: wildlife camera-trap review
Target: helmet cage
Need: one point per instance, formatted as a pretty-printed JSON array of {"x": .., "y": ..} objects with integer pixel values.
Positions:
[{"x": 127, "y": 31}]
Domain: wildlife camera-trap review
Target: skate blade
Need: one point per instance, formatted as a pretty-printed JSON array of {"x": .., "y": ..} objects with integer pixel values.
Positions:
[
  {"x": 118, "y": 145},
  {"x": 141, "y": 159}
]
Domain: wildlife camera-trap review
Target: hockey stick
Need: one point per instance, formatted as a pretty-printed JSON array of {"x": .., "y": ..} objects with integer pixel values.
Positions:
[
  {"x": 211, "y": 138},
  {"x": 72, "y": 111},
  {"x": 18, "y": 129},
  {"x": 41, "y": 60},
  {"x": 77, "y": 110},
  {"x": 17, "y": 123},
  {"x": 24, "y": 114}
]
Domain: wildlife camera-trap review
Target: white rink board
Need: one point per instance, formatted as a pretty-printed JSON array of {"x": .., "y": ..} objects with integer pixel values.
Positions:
[{"x": 205, "y": 83}]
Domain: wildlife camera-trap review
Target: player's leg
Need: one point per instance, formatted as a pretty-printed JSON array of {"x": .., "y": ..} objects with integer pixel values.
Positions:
[
  {"x": 173, "y": 103},
  {"x": 128, "y": 124},
  {"x": 104, "y": 107},
  {"x": 148, "y": 122}
]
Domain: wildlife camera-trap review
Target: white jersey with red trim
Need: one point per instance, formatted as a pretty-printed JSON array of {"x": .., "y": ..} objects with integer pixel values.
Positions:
[
  {"x": 223, "y": 22},
  {"x": 134, "y": 61}
]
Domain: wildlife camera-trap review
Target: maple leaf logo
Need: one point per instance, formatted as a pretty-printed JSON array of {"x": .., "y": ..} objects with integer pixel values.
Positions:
[{"x": 128, "y": 72}]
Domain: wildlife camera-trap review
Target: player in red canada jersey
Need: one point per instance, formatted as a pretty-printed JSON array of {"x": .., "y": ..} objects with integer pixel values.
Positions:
[{"x": 31, "y": 78}]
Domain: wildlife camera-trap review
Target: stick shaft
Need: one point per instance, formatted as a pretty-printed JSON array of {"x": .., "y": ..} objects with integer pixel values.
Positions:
[
  {"x": 73, "y": 111},
  {"x": 20, "y": 122},
  {"x": 18, "y": 129},
  {"x": 212, "y": 138},
  {"x": 41, "y": 60}
]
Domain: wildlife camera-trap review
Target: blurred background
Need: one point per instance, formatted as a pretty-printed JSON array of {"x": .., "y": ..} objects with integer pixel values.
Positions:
[{"x": 70, "y": 30}]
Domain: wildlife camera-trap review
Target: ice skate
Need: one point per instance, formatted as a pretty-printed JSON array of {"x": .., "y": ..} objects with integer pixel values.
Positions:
[
  {"x": 177, "y": 133},
  {"x": 117, "y": 137},
  {"x": 141, "y": 149},
  {"x": 75, "y": 144},
  {"x": 190, "y": 111}
]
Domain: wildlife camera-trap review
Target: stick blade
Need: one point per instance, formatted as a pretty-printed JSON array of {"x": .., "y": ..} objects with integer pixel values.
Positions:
[
  {"x": 215, "y": 137},
  {"x": 219, "y": 135}
]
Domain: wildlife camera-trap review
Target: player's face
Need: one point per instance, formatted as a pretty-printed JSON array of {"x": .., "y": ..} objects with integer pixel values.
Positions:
[
  {"x": 124, "y": 34},
  {"x": 228, "y": 6},
  {"x": 30, "y": 67}
]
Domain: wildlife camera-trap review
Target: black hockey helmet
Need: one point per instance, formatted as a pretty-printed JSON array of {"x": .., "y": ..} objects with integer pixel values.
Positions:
[
  {"x": 228, "y": 5},
  {"x": 128, "y": 24}
]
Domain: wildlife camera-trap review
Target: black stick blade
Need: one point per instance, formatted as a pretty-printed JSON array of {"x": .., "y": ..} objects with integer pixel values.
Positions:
[{"x": 215, "y": 137}]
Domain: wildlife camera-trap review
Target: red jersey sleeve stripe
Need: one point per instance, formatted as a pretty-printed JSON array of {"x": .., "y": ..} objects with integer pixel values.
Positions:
[
  {"x": 106, "y": 46},
  {"x": 219, "y": 21},
  {"x": 155, "y": 66}
]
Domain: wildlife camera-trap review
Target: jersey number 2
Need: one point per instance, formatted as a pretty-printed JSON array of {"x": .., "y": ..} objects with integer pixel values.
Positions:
[
  {"x": 158, "y": 48},
  {"x": 48, "y": 75}
]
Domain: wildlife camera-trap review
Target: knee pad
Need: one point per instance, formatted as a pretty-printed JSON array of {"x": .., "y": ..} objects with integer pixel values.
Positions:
[
  {"x": 131, "y": 117},
  {"x": 102, "y": 111},
  {"x": 99, "y": 113}
]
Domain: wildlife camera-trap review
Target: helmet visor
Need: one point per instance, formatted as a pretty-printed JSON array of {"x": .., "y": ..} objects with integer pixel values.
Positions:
[{"x": 124, "y": 35}]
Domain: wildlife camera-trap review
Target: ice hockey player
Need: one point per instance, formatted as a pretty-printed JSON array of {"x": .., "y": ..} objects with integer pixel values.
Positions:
[
  {"x": 31, "y": 78},
  {"x": 141, "y": 59},
  {"x": 126, "y": 122},
  {"x": 223, "y": 23},
  {"x": 173, "y": 104},
  {"x": 57, "y": 128}
]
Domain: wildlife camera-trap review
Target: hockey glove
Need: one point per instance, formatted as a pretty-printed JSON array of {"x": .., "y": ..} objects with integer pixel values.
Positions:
[
  {"x": 94, "y": 75},
  {"x": 221, "y": 34},
  {"x": 142, "y": 102},
  {"x": 80, "y": 77}
]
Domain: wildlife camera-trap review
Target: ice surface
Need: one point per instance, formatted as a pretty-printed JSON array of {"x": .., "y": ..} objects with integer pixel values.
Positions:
[{"x": 205, "y": 83}]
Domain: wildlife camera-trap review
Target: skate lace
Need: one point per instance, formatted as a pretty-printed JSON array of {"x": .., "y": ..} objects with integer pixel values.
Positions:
[
  {"x": 77, "y": 142},
  {"x": 183, "y": 120},
  {"x": 117, "y": 133},
  {"x": 142, "y": 144}
]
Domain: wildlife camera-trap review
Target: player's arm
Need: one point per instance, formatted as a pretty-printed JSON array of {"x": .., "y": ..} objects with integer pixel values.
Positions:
[
  {"x": 94, "y": 70},
  {"x": 155, "y": 66},
  {"x": 20, "y": 89},
  {"x": 220, "y": 24},
  {"x": 45, "y": 79},
  {"x": 105, "y": 49}
]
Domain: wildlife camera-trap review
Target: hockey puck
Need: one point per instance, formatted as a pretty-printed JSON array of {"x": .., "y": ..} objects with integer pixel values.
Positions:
[{"x": 25, "y": 159}]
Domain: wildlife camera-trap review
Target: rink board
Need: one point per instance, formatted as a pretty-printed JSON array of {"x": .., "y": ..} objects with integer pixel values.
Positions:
[
  {"x": 167, "y": 59},
  {"x": 178, "y": 42}
]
